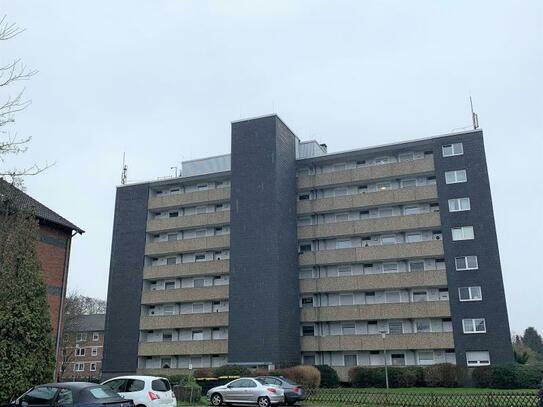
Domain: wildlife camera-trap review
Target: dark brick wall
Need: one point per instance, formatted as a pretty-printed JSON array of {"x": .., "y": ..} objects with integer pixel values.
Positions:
[
  {"x": 485, "y": 246},
  {"x": 125, "y": 280},
  {"x": 264, "y": 288}
]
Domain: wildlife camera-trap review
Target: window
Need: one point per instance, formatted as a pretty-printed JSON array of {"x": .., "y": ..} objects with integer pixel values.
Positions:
[
  {"x": 395, "y": 327},
  {"x": 165, "y": 363},
  {"x": 413, "y": 237},
  {"x": 168, "y": 310},
  {"x": 306, "y": 273},
  {"x": 344, "y": 271},
  {"x": 406, "y": 156},
  {"x": 478, "y": 358},
  {"x": 398, "y": 359},
  {"x": 202, "y": 186},
  {"x": 466, "y": 263},
  {"x": 340, "y": 191},
  {"x": 426, "y": 357},
  {"x": 117, "y": 385},
  {"x": 174, "y": 214},
  {"x": 169, "y": 285},
  {"x": 463, "y": 233},
  {"x": 343, "y": 244},
  {"x": 390, "y": 267},
  {"x": 160, "y": 385},
  {"x": 305, "y": 247},
  {"x": 94, "y": 351},
  {"x": 342, "y": 217},
  {"x": 93, "y": 367},
  {"x": 450, "y": 150},
  {"x": 167, "y": 336},
  {"x": 348, "y": 328},
  {"x": 364, "y": 214},
  {"x": 65, "y": 396},
  {"x": 199, "y": 282},
  {"x": 197, "y": 335},
  {"x": 383, "y": 186},
  {"x": 392, "y": 296},
  {"x": 388, "y": 239},
  {"x": 470, "y": 293},
  {"x": 304, "y": 221},
  {"x": 360, "y": 163},
  {"x": 79, "y": 351},
  {"x": 95, "y": 336},
  {"x": 303, "y": 197},
  {"x": 443, "y": 294},
  {"x": 133, "y": 385},
  {"x": 408, "y": 183},
  {"x": 459, "y": 204},
  {"x": 200, "y": 233},
  {"x": 309, "y": 359},
  {"x": 349, "y": 360},
  {"x": 385, "y": 212},
  {"x": 200, "y": 257},
  {"x": 420, "y": 296},
  {"x": 339, "y": 167},
  {"x": 79, "y": 367},
  {"x": 381, "y": 160},
  {"x": 308, "y": 330},
  {"x": 171, "y": 260},
  {"x": 455, "y": 177},
  {"x": 197, "y": 307},
  {"x": 416, "y": 265},
  {"x": 81, "y": 337},
  {"x": 423, "y": 325},
  {"x": 346, "y": 299},
  {"x": 40, "y": 395},
  {"x": 307, "y": 302},
  {"x": 172, "y": 236},
  {"x": 474, "y": 325},
  {"x": 411, "y": 210}
]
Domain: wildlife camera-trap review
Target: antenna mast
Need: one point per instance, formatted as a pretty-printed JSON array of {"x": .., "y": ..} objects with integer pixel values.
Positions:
[
  {"x": 124, "y": 172},
  {"x": 474, "y": 116}
]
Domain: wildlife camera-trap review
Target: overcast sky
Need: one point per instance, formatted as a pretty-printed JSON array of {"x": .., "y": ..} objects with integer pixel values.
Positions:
[{"x": 162, "y": 79}]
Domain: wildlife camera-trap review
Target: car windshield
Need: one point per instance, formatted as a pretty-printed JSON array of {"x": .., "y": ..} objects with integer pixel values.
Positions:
[
  {"x": 261, "y": 381},
  {"x": 102, "y": 392},
  {"x": 160, "y": 385}
]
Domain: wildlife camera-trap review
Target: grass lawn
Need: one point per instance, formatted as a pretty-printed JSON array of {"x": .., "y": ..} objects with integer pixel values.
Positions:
[{"x": 440, "y": 390}]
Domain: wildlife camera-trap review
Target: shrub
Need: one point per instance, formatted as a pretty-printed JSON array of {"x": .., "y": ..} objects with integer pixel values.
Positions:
[
  {"x": 188, "y": 393},
  {"x": 409, "y": 376},
  {"x": 231, "y": 370},
  {"x": 204, "y": 372},
  {"x": 504, "y": 377},
  {"x": 541, "y": 395},
  {"x": 482, "y": 376},
  {"x": 529, "y": 376},
  {"x": 308, "y": 376},
  {"x": 367, "y": 377},
  {"x": 442, "y": 375},
  {"x": 329, "y": 377},
  {"x": 181, "y": 379}
]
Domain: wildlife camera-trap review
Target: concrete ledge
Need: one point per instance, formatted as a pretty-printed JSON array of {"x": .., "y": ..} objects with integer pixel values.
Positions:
[
  {"x": 191, "y": 221},
  {"x": 207, "y": 347},
  {"x": 209, "y": 320},
  {"x": 189, "y": 245},
  {"x": 204, "y": 268},
  {"x": 172, "y": 201},
  {"x": 185, "y": 295}
]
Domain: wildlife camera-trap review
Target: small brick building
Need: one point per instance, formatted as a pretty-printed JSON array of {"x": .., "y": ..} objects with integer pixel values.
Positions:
[{"x": 53, "y": 246}]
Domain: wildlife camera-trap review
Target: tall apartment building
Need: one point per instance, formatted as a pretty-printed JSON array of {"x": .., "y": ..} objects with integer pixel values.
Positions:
[{"x": 282, "y": 253}]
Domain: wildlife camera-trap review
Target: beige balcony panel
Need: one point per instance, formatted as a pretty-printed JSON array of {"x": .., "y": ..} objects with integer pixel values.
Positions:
[
  {"x": 430, "y": 309},
  {"x": 203, "y": 268},
  {"x": 191, "y": 221},
  {"x": 188, "y": 245},
  {"x": 430, "y": 248},
  {"x": 371, "y": 199},
  {"x": 367, "y": 226},
  {"x": 434, "y": 278},
  {"x": 435, "y": 340},
  {"x": 209, "y": 347},
  {"x": 185, "y": 295},
  {"x": 215, "y": 319},
  {"x": 190, "y": 198},
  {"x": 367, "y": 173}
]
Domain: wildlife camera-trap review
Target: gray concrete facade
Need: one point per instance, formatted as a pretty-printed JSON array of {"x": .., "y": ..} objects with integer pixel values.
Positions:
[
  {"x": 125, "y": 281},
  {"x": 264, "y": 287}
]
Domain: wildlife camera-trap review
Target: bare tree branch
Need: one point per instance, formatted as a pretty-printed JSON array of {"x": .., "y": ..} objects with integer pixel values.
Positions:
[
  {"x": 15, "y": 71},
  {"x": 7, "y": 30}
]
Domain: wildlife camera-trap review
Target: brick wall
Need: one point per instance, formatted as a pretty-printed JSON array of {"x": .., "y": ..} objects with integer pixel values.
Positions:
[{"x": 88, "y": 360}]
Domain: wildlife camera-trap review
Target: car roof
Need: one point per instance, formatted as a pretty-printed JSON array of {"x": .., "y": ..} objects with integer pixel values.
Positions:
[
  {"x": 140, "y": 377},
  {"x": 70, "y": 385}
]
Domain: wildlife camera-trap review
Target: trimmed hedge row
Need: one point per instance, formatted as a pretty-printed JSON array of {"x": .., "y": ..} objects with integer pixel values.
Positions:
[{"x": 448, "y": 375}]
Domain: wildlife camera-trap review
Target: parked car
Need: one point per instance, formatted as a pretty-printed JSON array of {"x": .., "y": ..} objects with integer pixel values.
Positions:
[
  {"x": 74, "y": 394},
  {"x": 246, "y": 390},
  {"x": 145, "y": 391},
  {"x": 293, "y": 392}
]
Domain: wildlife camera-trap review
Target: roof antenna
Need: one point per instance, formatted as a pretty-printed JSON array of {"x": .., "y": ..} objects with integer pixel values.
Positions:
[
  {"x": 474, "y": 116},
  {"x": 124, "y": 172}
]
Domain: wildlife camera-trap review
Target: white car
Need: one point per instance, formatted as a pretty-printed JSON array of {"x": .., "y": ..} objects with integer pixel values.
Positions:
[{"x": 145, "y": 391}]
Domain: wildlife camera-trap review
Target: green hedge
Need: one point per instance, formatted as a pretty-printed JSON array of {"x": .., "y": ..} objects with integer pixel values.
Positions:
[
  {"x": 329, "y": 377},
  {"x": 512, "y": 376}
]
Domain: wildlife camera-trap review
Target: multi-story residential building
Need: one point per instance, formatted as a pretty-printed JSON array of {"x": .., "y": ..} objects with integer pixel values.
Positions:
[
  {"x": 282, "y": 253},
  {"x": 53, "y": 246},
  {"x": 83, "y": 357}
]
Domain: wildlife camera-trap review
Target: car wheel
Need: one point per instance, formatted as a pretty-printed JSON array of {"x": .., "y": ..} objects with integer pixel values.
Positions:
[
  {"x": 216, "y": 399},
  {"x": 263, "y": 402}
]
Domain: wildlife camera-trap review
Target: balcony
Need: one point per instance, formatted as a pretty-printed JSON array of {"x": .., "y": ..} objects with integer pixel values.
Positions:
[
  {"x": 374, "y": 172},
  {"x": 208, "y": 320},
  {"x": 188, "y": 245},
  {"x": 434, "y": 340},
  {"x": 206, "y": 347},
  {"x": 190, "y": 221},
  {"x": 185, "y": 295},
  {"x": 434, "y": 278},
  {"x": 189, "y": 198},
  {"x": 203, "y": 268},
  {"x": 367, "y": 226},
  {"x": 404, "y": 310},
  {"x": 369, "y": 199},
  {"x": 430, "y": 248}
]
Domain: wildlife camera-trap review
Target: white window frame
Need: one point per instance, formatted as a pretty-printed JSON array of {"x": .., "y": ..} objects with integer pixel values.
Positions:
[
  {"x": 466, "y": 261},
  {"x": 343, "y": 271},
  {"x": 95, "y": 336},
  {"x": 425, "y": 362},
  {"x": 383, "y": 186},
  {"x": 388, "y": 237},
  {"x": 81, "y": 337},
  {"x": 404, "y": 182},
  {"x": 477, "y": 361},
  {"x": 412, "y": 234},
  {"x": 463, "y": 233},
  {"x": 93, "y": 367},
  {"x": 350, "y": 325},
  {"x": 79, "y": 352},
  {"x": 419, "y": 292},
  {"x": 350, "y": 355},
  {"x": 411, "y": 210},
  {"x": 94, "y": 351},
  {"x": 469, "y": 325},
  {"x": 79, "y": 367},
  {"x": 472, "y": 291},
  {"x": 455, "y": 174},
  {"x": 462, "y": 204},
  {"x": 456, "y": 149},
  {"x": 424, "y": 321},
  {"x": 417, "y": 261},
  {"x": 194, "y": 304},
  {"x": 390, "y": 263}
]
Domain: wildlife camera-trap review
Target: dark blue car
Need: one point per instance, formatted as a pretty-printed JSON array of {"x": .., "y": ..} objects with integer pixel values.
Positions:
[{"x": 73, "y": 394}]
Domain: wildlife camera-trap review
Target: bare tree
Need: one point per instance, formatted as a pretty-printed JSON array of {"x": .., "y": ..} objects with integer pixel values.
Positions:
[{"x": 10, "y": 74}]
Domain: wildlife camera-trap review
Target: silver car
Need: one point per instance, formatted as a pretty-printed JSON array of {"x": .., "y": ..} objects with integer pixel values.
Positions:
[{"x": 247, "y": 391}]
